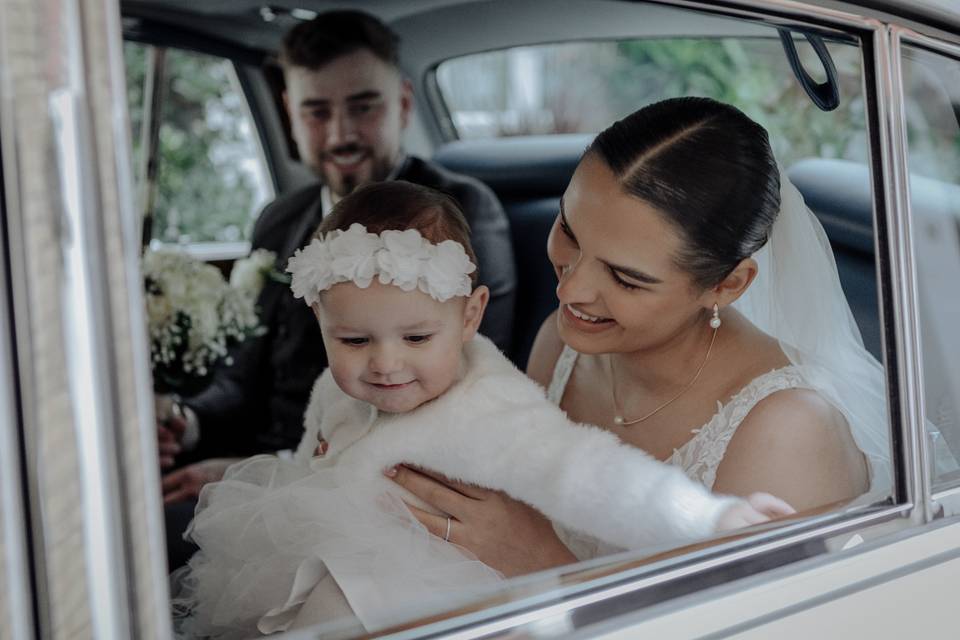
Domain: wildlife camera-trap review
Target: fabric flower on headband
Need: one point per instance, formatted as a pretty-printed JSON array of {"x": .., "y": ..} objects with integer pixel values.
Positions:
[{"x": 402, "y": 258}]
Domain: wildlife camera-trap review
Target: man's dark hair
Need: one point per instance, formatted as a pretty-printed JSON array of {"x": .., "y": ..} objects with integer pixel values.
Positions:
[
  {"x": 332, "y": 34},
  {"x": 400, "y": 205}
]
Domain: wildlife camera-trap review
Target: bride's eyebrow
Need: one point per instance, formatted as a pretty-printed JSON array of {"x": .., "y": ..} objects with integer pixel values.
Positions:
[{"x": 633, "y": 274}]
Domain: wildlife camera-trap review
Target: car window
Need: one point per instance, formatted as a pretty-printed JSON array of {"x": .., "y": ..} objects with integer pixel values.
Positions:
[
  {"x": 77, "y": 346},
  {"x": 211, "y": 174},
  {"x": 932, "y": 107},
  {"x": 581, "y": 87}
]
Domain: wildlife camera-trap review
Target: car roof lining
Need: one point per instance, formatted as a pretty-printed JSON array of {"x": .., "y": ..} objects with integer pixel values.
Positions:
[
  {"x": 240, "y": 20},
  {"x": 433, "y": 34}
]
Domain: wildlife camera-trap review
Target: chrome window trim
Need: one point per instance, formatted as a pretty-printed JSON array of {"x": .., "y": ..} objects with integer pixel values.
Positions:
[
  {"x": 915, "y": 482},
  {"x": 92, "y": 384},
  {"x": 589, "y": 596},
  {"x": 778, "y": 12},
  {"x": 147, "y": 592},
  {"x": 17, "y": 582},
  {"x": 21, "y": 598},
  {"x": 82, "y": 88},
  {"x": 912, "y": 37},
  {"x": 148, "y": 165},
  {"x": 11, "y": 158}
]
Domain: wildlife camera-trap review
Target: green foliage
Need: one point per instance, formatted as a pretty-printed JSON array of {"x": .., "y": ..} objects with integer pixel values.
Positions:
[
  {"x": 753, "y": 75},
  {"x": 580, "y": 87},
  {"x": 208, "y": 181}
]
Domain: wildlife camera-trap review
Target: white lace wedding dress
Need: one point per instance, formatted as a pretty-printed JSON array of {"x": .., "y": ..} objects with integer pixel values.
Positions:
[{"x": 700, "y": 456}]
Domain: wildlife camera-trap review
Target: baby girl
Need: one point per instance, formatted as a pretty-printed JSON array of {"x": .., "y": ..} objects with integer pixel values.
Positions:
[{"x": 392, "y": 280}]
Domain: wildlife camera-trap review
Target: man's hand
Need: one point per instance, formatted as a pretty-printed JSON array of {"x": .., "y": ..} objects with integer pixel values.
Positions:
[
  {"x": 171, "y": 426},
  {"x": 186, "y": 483}
]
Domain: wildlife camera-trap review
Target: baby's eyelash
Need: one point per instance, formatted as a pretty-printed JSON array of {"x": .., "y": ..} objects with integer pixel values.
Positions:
[
  {"x": 566, "y": 231},
  {"x": 354, "y": 342},
  {"x": 420, "y": 338}
]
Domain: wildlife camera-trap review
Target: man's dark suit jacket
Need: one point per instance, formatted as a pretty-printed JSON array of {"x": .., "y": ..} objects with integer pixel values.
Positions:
[{"x": 256, "y": 405}]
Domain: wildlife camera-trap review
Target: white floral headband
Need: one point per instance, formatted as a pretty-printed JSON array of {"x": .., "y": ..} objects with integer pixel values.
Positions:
[{"x": 402, "y": 258}]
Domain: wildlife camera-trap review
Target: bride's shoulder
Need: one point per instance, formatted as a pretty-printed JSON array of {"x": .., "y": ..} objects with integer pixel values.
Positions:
[
  {"x": 547, "y": 348},
  {"x": 795, "y": 444},
  {"x": 793, "y": 412}
]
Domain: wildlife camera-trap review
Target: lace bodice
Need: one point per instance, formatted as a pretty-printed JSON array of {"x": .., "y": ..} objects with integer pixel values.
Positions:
[{"x": 700, "y": 457}]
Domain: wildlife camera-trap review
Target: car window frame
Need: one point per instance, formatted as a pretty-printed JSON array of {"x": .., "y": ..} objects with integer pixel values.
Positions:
[
  {"x": 914, "y": 510},
  {"x": 944, "y": 501}
]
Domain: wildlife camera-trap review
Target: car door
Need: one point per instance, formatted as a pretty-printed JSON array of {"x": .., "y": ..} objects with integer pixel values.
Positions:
[
  {"x": 82, "y": 543},
  {"x": 80, "y": 501}
]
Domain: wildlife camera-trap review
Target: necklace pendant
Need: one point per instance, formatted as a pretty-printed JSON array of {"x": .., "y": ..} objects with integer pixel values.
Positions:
[{"x": 618, "y": 420}]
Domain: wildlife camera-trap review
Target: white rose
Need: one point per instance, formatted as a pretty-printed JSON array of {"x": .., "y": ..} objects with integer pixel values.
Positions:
[
  {"x": 158, "y": 310},
  {"x": 250, "y": 274},
  {"x": 247, "y": 277},
  {"x": 311, "y": 269},
  {"x": 353, "y": 255},
  {"x": 447, "y": 272},
  {"x": 174, "y": 288},
  {"x": 400, "y": 261}
]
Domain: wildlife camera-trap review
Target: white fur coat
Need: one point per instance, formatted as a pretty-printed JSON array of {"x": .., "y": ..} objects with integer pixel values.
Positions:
[{"x": 496, "y": 429}]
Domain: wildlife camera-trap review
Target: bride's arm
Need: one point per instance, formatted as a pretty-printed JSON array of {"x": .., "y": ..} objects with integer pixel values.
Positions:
[
  {"x": 507, "y": 436},
  {"x": 797, "y": 446}
]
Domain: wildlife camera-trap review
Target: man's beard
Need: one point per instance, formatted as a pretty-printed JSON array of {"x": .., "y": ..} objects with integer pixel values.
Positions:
[{"x": 343, "y": 184}]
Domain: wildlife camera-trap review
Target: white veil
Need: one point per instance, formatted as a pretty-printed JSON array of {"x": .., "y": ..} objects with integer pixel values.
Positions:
[{"x": 796, "y": 298}]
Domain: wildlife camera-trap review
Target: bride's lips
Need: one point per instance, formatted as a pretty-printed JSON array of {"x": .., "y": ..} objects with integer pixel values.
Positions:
[{"x": 584, "y": 322}]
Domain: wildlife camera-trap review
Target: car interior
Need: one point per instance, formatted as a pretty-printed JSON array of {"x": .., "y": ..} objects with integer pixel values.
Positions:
[{"x": 530, "y": 171}]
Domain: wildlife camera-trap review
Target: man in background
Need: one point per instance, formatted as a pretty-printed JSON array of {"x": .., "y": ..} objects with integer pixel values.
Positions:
[{"x": 348, "y": 104}]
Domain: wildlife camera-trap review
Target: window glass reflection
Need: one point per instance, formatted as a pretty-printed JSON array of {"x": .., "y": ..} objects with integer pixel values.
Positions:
[
  {"x": 932, "y": 90},
  {"x": 736, "y": 317}
]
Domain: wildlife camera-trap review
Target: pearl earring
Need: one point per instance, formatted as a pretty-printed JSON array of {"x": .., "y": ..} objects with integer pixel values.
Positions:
[{"x": 715, "y": 321}]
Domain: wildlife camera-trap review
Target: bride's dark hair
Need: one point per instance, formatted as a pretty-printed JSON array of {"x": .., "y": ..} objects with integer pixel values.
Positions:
[{"x": 708, "y": 169}]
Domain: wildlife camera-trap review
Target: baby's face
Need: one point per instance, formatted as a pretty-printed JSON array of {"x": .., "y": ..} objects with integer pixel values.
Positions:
[{"x": 392, "y": 348}]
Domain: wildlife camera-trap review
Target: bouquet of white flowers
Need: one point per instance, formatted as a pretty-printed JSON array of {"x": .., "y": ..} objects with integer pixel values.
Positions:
[
  {"x": 251, "y": 273},
  {"x": 193, "y": 318}
]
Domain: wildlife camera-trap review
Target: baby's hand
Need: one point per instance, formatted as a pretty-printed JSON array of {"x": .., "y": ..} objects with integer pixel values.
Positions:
[
  {"x": 322, "y": 446},
  {"x": 756, "y": 509}
]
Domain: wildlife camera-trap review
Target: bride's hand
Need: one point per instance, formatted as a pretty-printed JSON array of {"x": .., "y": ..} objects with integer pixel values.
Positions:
[
  {"x": 501, "y": 532},
  {"x": 755, "y": 509}
]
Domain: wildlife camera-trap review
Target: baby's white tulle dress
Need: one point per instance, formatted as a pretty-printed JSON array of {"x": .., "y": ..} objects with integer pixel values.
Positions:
[{"x": 330, "y": 540}]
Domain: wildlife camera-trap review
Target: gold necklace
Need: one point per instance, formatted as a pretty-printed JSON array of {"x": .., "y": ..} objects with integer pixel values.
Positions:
[{"x": 619, "y": 419}]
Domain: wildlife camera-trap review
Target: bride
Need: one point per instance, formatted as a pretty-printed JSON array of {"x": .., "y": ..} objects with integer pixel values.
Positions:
[{"x": 701, "y": 319}]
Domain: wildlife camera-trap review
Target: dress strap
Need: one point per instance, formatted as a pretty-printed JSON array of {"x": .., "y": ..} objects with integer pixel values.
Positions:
[
  {"x": 700, "y": 457},
  {"x": 561, "y": 374}
]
